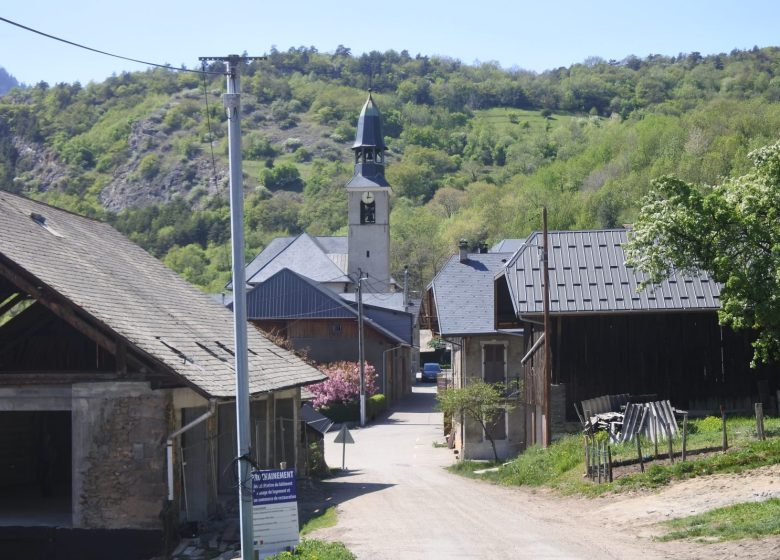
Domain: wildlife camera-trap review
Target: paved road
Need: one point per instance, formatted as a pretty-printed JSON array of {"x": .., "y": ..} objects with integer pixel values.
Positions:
[{"x": 398, "y": 502}]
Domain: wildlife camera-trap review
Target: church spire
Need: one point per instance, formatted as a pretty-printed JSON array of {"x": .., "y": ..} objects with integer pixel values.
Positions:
[
  {"x": 368, "y": 203},
  {"x": 369, "y": 149}
]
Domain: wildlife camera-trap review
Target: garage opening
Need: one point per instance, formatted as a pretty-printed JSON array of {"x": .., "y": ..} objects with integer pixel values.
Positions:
[{"x": 35, "y": 468}]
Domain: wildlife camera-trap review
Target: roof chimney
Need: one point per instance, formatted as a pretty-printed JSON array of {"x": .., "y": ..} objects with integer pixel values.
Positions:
[
  {"x": 464, "y": 250},
  {"x": 483, "y": 248}
]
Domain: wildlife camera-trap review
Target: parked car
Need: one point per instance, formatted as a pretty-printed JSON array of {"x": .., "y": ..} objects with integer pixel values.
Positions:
[{"x": 430, "y": 371}]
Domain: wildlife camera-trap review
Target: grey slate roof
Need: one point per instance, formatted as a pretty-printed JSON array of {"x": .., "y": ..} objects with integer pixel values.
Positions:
[
  {"x": 463, "y": 292},
  {"x": 131, "y": 293},
  {"x": 588, "y": 274},
  {"x": 317, "y": 258},
  {"x": 507, "y": 246}
]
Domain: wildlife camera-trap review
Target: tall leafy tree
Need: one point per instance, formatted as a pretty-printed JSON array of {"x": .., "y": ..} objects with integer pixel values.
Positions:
[{"x": 731, "y": 231}]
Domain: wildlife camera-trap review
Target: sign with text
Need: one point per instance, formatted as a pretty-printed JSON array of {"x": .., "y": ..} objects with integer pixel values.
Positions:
[{"x": 274, "y": 511}]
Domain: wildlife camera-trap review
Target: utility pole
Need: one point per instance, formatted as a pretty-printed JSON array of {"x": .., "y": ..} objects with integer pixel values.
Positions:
[
  {"x": 406, "y": 287},
  {"x": 361, "y": 350},
  {"x": 232, "y": 103},
  {"x": 547, "y": 439}
]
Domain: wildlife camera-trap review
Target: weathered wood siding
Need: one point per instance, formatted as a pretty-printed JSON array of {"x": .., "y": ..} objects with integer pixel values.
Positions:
[{"x": 684, "y": 357}]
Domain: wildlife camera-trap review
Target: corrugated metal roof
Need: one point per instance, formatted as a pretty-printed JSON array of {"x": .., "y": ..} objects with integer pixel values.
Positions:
[
  {"x": 289, "y": 295},
  {"x": 131, "y": 293},
  {"x": 464, "y": 293},
  {"x": 588, "y": 274}
]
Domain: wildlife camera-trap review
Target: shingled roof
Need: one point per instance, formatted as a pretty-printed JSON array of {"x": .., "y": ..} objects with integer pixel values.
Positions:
[
  {"x": 323, "y": 259},
  {"x": 125, "y": 290},
  {"x": 588, "y": 274},
  {"x": 463, "y": 292}
]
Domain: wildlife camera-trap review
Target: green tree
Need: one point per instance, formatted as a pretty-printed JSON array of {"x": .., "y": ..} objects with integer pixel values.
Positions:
[
  {"x": 731, "y": 231},
  {"x": 479, "y": 401},
  {"x": 282, "y": 177}
]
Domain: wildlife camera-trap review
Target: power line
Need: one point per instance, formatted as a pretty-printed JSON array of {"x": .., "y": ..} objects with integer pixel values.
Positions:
[
  {"x": 208, "y": 119},
  {"x": 61, "y": 40}
]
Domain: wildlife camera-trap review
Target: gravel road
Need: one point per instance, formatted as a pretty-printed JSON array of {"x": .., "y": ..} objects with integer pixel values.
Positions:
[{"x": 396, "y": 501}]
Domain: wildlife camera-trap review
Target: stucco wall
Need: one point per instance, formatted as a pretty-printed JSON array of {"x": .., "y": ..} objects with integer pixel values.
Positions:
[
  {"x": 118, "y": 459},
  {"x": 467, "y": 364}
]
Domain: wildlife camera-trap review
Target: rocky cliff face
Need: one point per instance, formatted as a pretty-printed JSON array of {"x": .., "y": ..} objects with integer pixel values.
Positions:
[{"x": 133, "y": 185}]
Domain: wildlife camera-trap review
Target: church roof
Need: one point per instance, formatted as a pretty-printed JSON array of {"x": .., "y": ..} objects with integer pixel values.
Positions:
[
  {"x": 369, "y": 127},
  {"x": 321, "y": 259}
]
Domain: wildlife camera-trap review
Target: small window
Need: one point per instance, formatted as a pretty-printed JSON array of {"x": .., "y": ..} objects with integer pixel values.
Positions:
[{"x": 368, "y": 254}]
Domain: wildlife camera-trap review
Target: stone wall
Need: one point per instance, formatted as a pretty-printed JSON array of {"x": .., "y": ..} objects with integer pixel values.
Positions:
[{"x": 119, "y": 476}]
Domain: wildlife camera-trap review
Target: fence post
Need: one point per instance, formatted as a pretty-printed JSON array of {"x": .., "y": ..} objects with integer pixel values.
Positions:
[
  {"x": 587, "y": 457},
  {"x": 598, "y": 452},
  {"x": 684, "y": 436},
  {"x": 760, "y": 421},
  {"x": 655, "y": 432},
  {"x": 669, "y": 438},
  {"x": 725, "y": 434},
  {"x": 609, "y": 462}
]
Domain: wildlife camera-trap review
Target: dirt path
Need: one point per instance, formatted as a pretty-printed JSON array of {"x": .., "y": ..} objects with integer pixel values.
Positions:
[{"x": 398, "y": 502}]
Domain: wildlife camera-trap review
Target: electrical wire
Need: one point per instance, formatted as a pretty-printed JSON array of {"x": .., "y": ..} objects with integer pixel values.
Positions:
[
  {"x": 61, "y": 40},
  {"x": 208, "y": 120}
]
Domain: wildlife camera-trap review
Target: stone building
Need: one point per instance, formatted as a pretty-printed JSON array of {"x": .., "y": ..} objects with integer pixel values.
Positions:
[{"x": 117, "y": 391}]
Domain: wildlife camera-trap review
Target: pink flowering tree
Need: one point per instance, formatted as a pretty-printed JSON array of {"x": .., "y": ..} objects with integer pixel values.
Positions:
[{"x": 343, "y": 384}]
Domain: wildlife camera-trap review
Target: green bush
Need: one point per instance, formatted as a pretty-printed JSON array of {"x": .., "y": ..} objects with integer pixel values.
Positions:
[
  {"x": 709, "y": 424},
  {"x": 376, "y": 405},
  {"x": 317, "y": 550},
  {"x": 350, "y": 412},
  {"x": 149, "y": 166},
  {"x": 342, "y": 412}
]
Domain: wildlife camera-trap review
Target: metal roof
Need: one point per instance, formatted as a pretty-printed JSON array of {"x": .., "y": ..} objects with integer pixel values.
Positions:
[
  {"x": 588, "y": 274},
  {"x": 289, "y": 295},
  {"x": 127, "y": 291},
  {"x": 463, "y": 292},
  {"x": 369, "y": 127}
]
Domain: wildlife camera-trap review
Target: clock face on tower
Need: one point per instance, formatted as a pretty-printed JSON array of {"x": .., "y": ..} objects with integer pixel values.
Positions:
[{"x": 368, "y": 197}]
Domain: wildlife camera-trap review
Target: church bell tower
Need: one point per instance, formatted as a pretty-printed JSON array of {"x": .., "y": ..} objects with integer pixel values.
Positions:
[{"x": 368, "y": 195}]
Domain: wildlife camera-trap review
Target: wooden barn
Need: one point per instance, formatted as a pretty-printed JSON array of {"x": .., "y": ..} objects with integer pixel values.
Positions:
[{"x": 608, "y": 338}]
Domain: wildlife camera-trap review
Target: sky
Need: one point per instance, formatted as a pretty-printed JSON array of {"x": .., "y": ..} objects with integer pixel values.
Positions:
[{"x": 515, "y": 33}]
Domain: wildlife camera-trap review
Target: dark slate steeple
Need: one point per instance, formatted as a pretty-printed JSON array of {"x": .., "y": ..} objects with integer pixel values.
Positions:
[{"x": 369, "y": 148}]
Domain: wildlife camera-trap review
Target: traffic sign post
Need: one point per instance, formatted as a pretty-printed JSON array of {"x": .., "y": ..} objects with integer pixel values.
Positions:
[{"x": 344, "y": 437}]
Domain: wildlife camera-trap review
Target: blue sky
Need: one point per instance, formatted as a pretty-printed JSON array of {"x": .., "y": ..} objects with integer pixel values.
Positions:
[{"x": 530, "y": 35}]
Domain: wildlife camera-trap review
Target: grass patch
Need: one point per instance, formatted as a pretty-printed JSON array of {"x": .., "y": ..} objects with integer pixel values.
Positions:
[
  {"x": 327, "y": 518},
  {"x": 312, "y": 549},
  {"x": 505, "y": 119},
  {"x": 561, "y": 466},
  {"x": 466, "y": 468},
  {"x": 748, "y": 520},
  {"x": 746, "y": 455}
]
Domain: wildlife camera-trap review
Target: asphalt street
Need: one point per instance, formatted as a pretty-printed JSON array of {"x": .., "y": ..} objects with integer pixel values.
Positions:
[{"x": 397, "y": 500}]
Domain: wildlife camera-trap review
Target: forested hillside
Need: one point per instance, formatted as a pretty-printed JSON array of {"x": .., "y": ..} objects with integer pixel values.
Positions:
[{"x": 474, "y": 150}]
